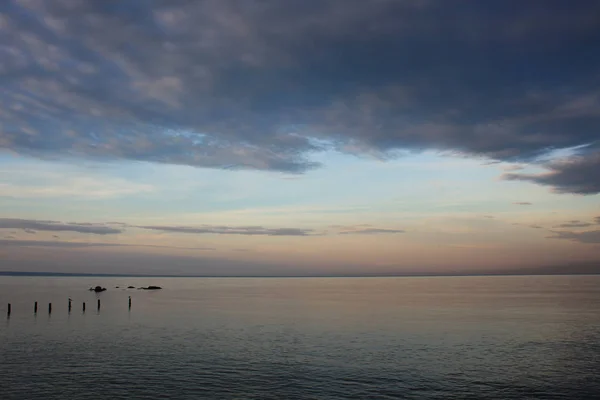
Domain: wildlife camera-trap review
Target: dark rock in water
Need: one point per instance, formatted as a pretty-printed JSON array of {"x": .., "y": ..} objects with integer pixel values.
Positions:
[
  {"x": 151, "y": 288},
  {"x": 130, "y": 287},
  {"x": 116, "y": 287},
  {"x": 97, "y": 289}
]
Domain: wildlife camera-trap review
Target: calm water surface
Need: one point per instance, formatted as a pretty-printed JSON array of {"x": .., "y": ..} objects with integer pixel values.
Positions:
[{"x": 303, "y": 338}]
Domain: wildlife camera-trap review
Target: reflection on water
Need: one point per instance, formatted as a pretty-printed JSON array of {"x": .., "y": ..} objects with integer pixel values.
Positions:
[{"x": 329, "y": 338}]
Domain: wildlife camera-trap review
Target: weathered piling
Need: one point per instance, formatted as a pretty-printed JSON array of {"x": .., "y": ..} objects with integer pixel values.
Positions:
[
  {"x": 35, "y": 307},
  {"x": 98, "y": 304},
  {"x": 84, "y": 306},
  {"x": 129, "y": 302},
  {"x": 69, "y": 304},
  {"x": 8, "y": 311},
  {"x": 49, "y": 308}
]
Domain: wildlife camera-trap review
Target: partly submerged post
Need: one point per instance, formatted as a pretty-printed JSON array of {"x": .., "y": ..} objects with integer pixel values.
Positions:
[
  {"x": 130, "y": 302},
  {"x": 98, "y": 304},
  {"x": 9, "y": 309},
  {"x": 35, "y": 307},
  {"x": 84, "y": 306},
  {"x": 49, "y": 308},
  {"x": 69, "y": 304}
]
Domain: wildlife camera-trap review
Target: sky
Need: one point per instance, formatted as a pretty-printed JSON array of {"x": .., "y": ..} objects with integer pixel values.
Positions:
[{"x": 299, "y": 137}]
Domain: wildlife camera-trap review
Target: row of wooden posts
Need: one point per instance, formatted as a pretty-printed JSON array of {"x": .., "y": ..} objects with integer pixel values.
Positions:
[{"x": 35, "y": 306}]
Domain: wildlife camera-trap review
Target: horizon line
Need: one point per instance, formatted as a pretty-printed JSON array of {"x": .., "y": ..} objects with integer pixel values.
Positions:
[{"x": 405, "y": 275}]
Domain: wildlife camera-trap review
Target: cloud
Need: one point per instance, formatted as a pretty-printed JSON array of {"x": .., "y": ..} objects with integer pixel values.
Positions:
[
  {"x": 30, "y": 231},
  {"x": 72, "y": 245},
  {"x": 574, "y": 224},
  {"x": 523, "y": 203},
  {"x": 119, "y": 227},
  {"x": 48, "y": 243},
  {"x": 536, "y": 226},
  {"x": 262, "y": 231},
  {"x": 578, "y": 174},
  {"x": 491, "y": 163},
  {"x": 230, "y": 230},
  {"x": 592, "y": 237},
  {"x": 598, "y": 220},
  {"x": 372, "y": 231},
  {"x": 489, "y": 216},
  {"x": 351, "y": 226},
  {"x": 514, "y": 168},
  {"x": 262, "y": 85},
  {"x": 30, "y": 226}
]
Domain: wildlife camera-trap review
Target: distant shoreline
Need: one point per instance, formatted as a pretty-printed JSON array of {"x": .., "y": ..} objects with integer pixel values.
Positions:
[{"x": 416, "y": 275}]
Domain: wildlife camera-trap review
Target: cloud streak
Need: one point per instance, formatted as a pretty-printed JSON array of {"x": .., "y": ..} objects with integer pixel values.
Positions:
[
  {"x": 574, "y": 224},
  {"x": 522, "y": 203},
  {"x": 372, "y": 231},
  {"x": 588, "y": 237},
  {"x": 229, "y": 230},
  {"x": 49, "y": 243},
  {"x": 262, "y": 85},
  {"x": 74, "y": 245},
  {"x": 30, "y": 226}
]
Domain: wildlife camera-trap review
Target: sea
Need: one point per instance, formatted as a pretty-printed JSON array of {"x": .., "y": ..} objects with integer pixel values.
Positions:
[{"x": 494, "y": 337}]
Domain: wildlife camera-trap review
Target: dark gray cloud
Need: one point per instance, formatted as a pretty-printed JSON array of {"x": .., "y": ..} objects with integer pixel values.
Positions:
[
  {"x": 574, "y": 224},
  {"x": 372, "y": 231},
  {"x": 233, "y": 230},
  {"x": 579, "y": 174},
  {"x": 592, "y": 237},
  {"x": 523, "y": 203},
  {"x": 261, "y": 85},
  {"x": 31, "y": 226}
]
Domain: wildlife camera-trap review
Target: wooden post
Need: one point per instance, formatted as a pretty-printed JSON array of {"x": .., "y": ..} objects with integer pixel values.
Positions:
[
  {"x": 69, "y": 305},
  {"x": 84, "y": 306},
  {"x": 35, "y": 308},
  {"x": 98, "y": 304},
  {"x": 49, "y": 308},
  {"x": 9, "y": 309},
  {"x": 130, "y": 302}
]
